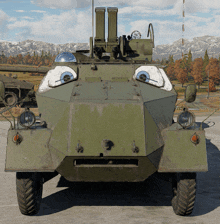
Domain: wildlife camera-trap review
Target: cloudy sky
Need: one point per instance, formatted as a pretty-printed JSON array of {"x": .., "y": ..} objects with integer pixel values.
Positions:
[{"x": 69, "y": 21}]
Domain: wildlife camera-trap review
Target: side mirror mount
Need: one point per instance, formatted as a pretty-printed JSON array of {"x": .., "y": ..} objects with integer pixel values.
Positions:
[{"x": 190, "y": 93}]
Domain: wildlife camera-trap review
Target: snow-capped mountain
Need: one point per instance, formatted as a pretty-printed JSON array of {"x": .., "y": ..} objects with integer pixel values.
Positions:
[
  {"x": 198, "y": 47},
  {"x": 15, "y": 48}
]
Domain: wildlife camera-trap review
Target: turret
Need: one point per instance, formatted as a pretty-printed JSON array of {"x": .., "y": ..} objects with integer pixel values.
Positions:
[{"x": 119, "y": 47}]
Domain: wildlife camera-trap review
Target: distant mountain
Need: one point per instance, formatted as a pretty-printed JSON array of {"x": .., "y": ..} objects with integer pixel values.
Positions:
[
  {"x": 198, "y": 47},
  {"x": 15, "y": 48}
]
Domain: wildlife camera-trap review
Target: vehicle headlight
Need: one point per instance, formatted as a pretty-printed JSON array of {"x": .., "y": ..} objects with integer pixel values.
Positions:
[
  {"x": 27, "y": 119},
  {"x": 186, "y": 118}
]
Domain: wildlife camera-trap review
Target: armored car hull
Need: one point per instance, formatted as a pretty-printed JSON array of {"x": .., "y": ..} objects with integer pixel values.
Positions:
[{"x": 107, "y": 118}]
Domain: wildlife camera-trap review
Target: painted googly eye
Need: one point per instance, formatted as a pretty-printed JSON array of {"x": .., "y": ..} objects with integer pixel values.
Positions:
[{"x": 66, "y": 77}]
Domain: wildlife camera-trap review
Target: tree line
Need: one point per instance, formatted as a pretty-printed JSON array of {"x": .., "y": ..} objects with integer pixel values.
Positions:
[
  {"x": 198, "y": 70},
  {"x": 182, "y": 69},
  {"x": 45, "y": 59}
]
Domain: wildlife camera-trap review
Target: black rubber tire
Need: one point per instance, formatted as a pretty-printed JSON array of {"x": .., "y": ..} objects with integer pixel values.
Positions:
[
  {"x": 10, "y": 99},
  {"x": 184, "y": 193},
  {"x": 29, "y": 192}
]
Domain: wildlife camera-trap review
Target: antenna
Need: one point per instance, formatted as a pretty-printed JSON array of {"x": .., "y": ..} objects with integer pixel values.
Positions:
[
  {"x": 183, "y": 28},
  {"x": 93, "y": 19},
  {"x": 92, "y": 28}
]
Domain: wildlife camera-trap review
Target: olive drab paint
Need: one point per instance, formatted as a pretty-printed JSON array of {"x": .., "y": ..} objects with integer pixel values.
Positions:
[
  {"x": 112, "y": 120},
  {"x": 2, "y": 90},
  {"x": 13, "y": 87}
]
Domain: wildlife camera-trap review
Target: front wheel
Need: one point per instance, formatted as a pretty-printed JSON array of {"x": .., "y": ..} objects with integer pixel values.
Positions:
[
  {"x": 10, "y": 99},
  {"x": 184, "y": 193},
  {"x": 29, "y": 192}
]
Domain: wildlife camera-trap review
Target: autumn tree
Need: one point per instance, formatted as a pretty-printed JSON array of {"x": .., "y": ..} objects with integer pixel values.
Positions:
[
  {"x": 180, "y": 72},
  {"x": 197, "y": 71},
  {"x": 27, "y": 59},
  {"x": 213, "y": 70},
  {"x": 170, "y": 68},
  {"x": 177, "y": 67},
  {"x": 170, "y": 71},
  {"x": 20, "y": 58},
  {"x": 182, "y": 76},
  {"x": 10, "y": 60},
  {"x": 212, "y": 86}
]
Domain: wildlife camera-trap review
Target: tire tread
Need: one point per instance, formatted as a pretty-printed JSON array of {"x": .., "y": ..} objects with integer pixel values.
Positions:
[
  {"x": 29, "y": 192},
  {"x": 184, "y": 200}
]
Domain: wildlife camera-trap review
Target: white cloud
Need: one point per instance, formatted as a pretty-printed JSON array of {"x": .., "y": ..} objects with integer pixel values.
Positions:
[
  {"x": 3, "y": 17},
  {"x": 3, "y": 24},
  {"x": 74, "y": 25},
  {"x": 164, "y": 32},
  {"x": 27, "y": 17},
  {"x": 57, "y": 4},
  {"x": 145, "y": 11},
  {"x": 67, "y": 4},
  {"x": 153, "y": 3},
  {"x": 12, "y": 19},
  {"x": 38, "y": 11},
  {"x": 19, "y": 11},
  {"x": 193, "y": 6},
  {"x": 69, "y": 26}
]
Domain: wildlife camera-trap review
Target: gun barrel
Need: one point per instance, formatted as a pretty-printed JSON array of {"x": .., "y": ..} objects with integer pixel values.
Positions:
[{"x": 24, "y": 69}]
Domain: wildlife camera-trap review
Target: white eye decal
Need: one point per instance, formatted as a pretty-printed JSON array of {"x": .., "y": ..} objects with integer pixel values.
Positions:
[
  {"x": 57, "y": 76},
  {"x": 149, "y": 74},
  {"x": 167, "y": 86}
]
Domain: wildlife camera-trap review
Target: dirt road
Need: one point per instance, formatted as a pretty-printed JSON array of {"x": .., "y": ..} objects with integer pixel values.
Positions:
[{"x": 147, "y": 202}]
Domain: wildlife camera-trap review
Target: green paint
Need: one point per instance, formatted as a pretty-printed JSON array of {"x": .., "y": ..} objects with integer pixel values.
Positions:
[
  {"x": 180, "y": 154},
  {"x": 50, "y": 109},
  {"x": 2, "y": 90},
  {"x": 59, "y": 138},
  {"x": 153, "y": 136},
  {"x": 106, "y": 173},
  {"x": 31, "y": 154},
  {"x": 119, "y": 122}
]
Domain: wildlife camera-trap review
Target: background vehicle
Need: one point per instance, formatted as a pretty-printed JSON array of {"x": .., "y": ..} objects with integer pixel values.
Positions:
[{"x": 16, "y": 90}]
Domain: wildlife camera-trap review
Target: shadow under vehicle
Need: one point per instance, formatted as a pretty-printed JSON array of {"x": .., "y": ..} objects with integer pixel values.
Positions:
[{"x": 107, "y": 117}]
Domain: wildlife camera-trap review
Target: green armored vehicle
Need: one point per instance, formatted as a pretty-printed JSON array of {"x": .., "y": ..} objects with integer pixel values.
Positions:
[
  {"x": 15, "y": 90},
  {"x": 107, "y": 117}
]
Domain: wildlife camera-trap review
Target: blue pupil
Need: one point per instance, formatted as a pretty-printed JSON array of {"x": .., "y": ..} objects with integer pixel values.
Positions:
[
  {"x": 66, "y": 76},
  {"x": 144, "y": 76}
]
